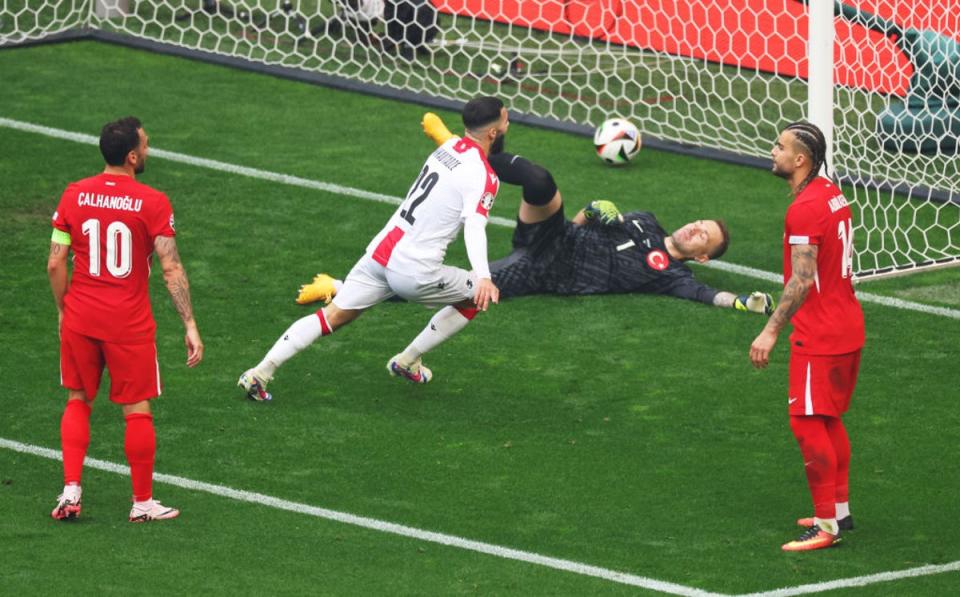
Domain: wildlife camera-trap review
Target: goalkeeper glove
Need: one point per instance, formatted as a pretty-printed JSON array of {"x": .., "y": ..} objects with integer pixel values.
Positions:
[
  {"x": 605, "y": 211},
  {"x": 758, "y": 302}
]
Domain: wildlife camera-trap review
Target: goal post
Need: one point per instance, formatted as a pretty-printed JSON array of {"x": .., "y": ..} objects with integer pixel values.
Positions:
[
  {"x": 881, "y": 77},
  {"x": 820, "y": 81}
]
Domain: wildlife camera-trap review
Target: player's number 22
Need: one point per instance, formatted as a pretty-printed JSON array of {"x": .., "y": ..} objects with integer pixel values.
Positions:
[{"x": 425, "y": 183}]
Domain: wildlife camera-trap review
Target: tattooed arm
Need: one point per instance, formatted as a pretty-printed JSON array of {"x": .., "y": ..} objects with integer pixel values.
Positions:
[
  {"x": 179, "y": 287},
  {"x": 803, "y": 259},
  {"x": 57, "y": 272}
]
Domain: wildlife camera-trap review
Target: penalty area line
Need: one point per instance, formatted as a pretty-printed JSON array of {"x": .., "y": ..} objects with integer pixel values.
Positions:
[
  {"x": 380, "y": 525},
  {"x": 328, "y": 187}
]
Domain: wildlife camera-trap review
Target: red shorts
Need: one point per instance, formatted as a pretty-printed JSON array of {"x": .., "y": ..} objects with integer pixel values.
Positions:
[
  {"x": 134, "y": 370},
  {"x": 822, "y": 384}
]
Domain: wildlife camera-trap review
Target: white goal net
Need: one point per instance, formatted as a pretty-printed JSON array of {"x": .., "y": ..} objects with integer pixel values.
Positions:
[{"x": 711, "y": 74}]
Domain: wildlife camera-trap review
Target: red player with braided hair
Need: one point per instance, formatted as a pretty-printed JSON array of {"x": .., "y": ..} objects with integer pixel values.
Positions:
[{"x": 828, "y": 329}]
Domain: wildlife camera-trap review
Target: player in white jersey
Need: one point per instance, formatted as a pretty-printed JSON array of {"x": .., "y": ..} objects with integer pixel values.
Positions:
[{"x": 455, "y": 189}]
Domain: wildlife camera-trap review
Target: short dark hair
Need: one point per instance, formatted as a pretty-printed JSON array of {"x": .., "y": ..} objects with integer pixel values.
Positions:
[
  {"x": 119, "y": 138},
  {"x": 481, "y": 111},
  {"x": 722, "y": 247},
  {"x": 814, "y": 144}
]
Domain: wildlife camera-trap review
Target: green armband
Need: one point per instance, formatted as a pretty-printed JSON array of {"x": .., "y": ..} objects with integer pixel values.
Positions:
[{"x": 60, "y": 237}]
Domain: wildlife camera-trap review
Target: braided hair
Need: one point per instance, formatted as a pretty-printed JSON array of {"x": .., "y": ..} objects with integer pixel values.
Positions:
[{"x": 811, "y": 138}]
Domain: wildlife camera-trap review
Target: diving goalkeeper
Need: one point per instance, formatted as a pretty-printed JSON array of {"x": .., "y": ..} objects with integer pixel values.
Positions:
[{"x": 599, "y": 251}]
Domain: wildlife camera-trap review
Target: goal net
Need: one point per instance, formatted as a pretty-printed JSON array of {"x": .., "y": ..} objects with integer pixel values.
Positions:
[{"x": 711, "y": 74}]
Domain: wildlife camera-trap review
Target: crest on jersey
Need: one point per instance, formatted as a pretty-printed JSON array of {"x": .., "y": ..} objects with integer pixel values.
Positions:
[
  {"x": 487, "y": 201},
  {"x": 658, "y": 260},
  {"x": 172, "y": 227}
]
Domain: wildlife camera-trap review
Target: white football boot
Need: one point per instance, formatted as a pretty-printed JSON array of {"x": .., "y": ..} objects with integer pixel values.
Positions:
[{"x": 151, "y": 510}]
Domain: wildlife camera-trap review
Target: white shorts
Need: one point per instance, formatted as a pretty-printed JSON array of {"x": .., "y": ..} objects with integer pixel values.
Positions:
[{"x": 369, "y": 284}]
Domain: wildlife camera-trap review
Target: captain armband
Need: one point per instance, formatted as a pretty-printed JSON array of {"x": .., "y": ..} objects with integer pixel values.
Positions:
[{"x": 60, "y": 237}]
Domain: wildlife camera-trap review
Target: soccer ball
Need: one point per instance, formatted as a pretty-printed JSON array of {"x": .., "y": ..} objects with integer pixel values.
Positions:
[{"x": 617, "y": 141}]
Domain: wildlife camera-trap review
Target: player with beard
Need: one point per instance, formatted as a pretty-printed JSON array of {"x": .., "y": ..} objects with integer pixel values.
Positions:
[
  {"x": 113, "y": 225},
  {"x": 455, "y": 189},
  {"x": 828, "y": 329}
]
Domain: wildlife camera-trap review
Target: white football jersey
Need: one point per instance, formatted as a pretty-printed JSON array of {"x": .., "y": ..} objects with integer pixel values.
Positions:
[{"x": 455, "y": 182}]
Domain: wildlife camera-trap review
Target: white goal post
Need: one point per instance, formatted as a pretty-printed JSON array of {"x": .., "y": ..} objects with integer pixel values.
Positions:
[{"x": 881, "y": 77}]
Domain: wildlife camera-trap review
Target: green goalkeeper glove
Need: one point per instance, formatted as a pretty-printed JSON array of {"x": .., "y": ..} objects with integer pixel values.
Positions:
[
  {"x": 758, "y": 302},
  {"x": 605, "y": 211}
]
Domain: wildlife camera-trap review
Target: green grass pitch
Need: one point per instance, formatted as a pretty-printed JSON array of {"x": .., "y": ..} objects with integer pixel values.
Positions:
[{"x": 625, "y": 432}]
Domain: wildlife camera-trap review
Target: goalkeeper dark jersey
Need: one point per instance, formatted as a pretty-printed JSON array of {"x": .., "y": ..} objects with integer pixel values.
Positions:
[{"x": 557, "y": 257}]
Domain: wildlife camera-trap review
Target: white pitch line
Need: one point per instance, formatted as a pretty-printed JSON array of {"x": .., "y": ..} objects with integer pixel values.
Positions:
[
  {"x": 478, "y": 546},
  {"x": 379, "y": 197},
  {"x": 860, "y": 581},
  {"x": 173, "y": 156},
  {"x": 381, "y": 526}
]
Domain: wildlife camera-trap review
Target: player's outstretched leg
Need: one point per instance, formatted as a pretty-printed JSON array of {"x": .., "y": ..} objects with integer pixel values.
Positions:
[
  {"x": 322, "y": 288},
  {"x": 434, "y": 128},
  {"x": 68, "y": 504},
  {"x": 413, "y": 371},
  {"x": 151, "y": 510},
  {"x": 301, "y": 334}
]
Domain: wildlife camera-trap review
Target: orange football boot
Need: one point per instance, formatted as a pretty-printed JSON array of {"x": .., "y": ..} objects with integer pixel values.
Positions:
[{"x": 812, "y": 538}]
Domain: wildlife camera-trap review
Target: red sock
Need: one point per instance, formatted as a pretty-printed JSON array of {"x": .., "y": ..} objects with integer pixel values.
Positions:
[
  {"x": 468, "y": 312},
  {"x": 140, "y": 444},
  {"x": 841, "y": 447},
  {"x": 325, "y": 329},
  {"x": 820, "y": 462},
  {"x": 74, "y": 439}
]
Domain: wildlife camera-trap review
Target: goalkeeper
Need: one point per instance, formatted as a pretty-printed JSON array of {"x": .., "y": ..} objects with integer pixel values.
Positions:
[{"x": 599, "y": 251}]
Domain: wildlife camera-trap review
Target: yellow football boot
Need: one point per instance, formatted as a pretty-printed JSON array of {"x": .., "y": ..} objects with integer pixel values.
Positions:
[
  {"x": 321, "y": 289},
  {"x": 434, "y": 128}
]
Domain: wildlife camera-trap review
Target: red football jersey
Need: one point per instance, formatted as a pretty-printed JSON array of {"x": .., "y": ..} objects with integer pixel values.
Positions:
[
  {"x": 830, "y": 321},
  {"x": 112, "y": 221}
]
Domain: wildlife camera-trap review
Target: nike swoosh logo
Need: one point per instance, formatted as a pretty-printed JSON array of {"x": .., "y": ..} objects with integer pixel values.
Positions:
[{"x": 792, "y": 400}]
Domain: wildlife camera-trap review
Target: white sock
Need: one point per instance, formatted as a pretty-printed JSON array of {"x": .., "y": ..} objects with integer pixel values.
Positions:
[
  {"x": 445, "y": 323},
  {"x": 297, "y": 337},
  {"x": 843, "y": 509},
  {"x": 827, "y": 524},
  {"x": 72, "y": 491}
]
